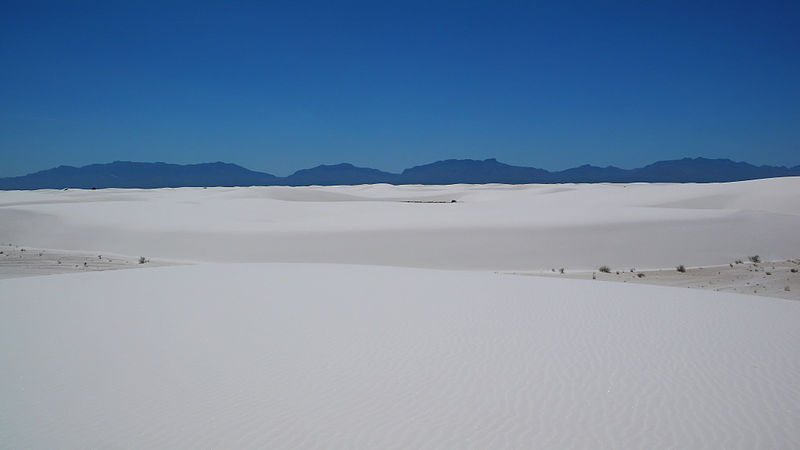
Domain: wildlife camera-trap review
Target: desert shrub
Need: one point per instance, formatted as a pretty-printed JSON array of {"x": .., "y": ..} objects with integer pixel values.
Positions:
[
  {"x": 604, "y": 269},
  {"x": 143, "y": 260},
  {"x": 594, "y": 276},
  {"x": 681, "y": 268},
  {"x": 787, "y": 289},
  {"x": 561, "y": 270},
  {"x": 768, "y": 273},
  {"x": 738, "y": 261},
  {"x": 793, "y": 270},
  {"x": 640, "y": 275},
  {"x": 754, "y": 259}
]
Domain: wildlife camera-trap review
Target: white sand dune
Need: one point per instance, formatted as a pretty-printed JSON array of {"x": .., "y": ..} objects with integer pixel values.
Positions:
[
  {"x": 494, "y": 227},
  {"x": 16, "y": 261},
  {"x": 777, "y": 279},
  {"x": 288, "y": 355},
  {"x": 261, "y": 344}
]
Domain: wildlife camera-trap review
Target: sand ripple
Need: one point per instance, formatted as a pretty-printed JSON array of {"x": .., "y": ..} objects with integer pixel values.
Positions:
[{"x": 297, "y": 355}]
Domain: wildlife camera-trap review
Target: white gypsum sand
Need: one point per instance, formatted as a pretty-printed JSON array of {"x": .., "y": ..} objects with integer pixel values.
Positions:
[
  {"x": 17, "y": 261},
  {"x": 270, "y": 354},
  {"x": 305, "y": 355},
  {"x": 779, "y": 279},
  {"x": 492, "y": 227}
]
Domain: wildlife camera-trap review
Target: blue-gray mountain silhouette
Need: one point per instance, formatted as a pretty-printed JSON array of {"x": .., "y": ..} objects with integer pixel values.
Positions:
[
  {"x": 454, "y": 171},
  {"x": 123, "y": 174},
  {"x": 139, "y": 175},
  {"x": 338, "y": 174}
]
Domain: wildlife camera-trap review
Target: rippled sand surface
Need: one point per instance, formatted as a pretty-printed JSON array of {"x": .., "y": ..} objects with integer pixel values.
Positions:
[
  {"x": 305, "y": 355},
  {"x": 392, "y": 317}
]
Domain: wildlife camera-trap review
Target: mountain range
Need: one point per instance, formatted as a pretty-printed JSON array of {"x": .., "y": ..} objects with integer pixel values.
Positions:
[{"x": 126, "y": 174}]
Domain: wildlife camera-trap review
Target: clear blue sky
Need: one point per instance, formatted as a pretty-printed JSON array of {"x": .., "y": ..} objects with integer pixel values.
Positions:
[{"x": 279, "y": 86}]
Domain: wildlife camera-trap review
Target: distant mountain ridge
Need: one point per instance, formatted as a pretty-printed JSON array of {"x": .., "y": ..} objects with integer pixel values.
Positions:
[
  {"x": 139, "y": 175},
  {"x": 126, "y": 174}
]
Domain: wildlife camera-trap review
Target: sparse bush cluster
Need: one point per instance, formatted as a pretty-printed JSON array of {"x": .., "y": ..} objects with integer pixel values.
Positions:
[
  {"x": 143, "y": 260},
  {"x": 681, "y": 268},
  {"x": 604, "y": 269},
  {"x": 755, "y": 259}
]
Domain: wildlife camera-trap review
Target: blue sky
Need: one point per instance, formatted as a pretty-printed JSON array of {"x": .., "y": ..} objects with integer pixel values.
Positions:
[{"x": 279, "y": 86}]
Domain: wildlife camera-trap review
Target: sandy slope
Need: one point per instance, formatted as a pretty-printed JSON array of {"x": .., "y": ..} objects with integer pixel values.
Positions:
[
  {"x": 779, "y": 279},
  {"x": 16, "y": 261},
  {"x": 495, "y": 227},
  {"x": 268, "y": 356},
  {"x": 358, "y": 356}
]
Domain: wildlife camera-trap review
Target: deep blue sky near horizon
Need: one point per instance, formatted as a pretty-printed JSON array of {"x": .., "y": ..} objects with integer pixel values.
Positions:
[{"x": 280, "y": 86}]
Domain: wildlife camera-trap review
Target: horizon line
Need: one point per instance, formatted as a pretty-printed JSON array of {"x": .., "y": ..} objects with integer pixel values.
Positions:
[{"x": 344, "y": 163}]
